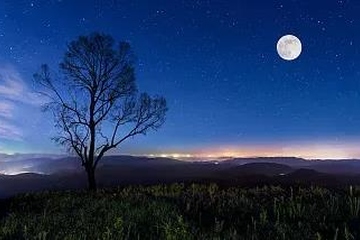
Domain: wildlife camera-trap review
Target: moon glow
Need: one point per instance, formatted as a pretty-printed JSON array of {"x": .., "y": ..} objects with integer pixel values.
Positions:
[{"x": 289, "y": 47}]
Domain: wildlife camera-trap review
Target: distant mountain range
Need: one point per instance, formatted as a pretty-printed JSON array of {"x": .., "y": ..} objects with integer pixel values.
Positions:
[{"x": 59, "y": 172}]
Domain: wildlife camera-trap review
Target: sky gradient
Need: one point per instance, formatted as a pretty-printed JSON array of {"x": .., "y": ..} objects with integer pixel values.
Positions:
[{"x": 228, "y": 91}]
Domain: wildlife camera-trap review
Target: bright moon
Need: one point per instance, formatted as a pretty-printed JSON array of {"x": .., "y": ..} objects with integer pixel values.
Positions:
[{"x": 289, "y": 47}]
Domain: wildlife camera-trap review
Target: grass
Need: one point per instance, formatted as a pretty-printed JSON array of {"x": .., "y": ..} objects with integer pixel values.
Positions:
[{"x": 181, "y": 211}]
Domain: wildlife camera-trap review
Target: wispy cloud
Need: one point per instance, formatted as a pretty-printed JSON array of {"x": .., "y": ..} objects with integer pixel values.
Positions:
[
  {"x": 9, "y": 131},
  {"x": 13, "y": 91},
  {"x": 6, "y": 109},
  {"x": 13, "y": 88}
]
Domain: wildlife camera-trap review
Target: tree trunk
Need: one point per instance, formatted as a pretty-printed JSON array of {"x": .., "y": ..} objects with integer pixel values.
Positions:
[{"x": 91, "y": 179}]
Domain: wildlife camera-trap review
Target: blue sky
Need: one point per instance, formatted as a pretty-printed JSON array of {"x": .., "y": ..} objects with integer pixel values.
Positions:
[{"x": 215, "y": 62}]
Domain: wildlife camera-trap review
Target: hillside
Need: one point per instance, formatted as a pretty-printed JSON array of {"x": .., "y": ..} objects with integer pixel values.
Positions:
[
  {"x": 184, "y": 211},
  {"x": 124, "y": 170}
]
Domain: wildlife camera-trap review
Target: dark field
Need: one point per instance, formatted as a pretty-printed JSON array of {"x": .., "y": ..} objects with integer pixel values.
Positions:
[{"x": 185, "y": 211}]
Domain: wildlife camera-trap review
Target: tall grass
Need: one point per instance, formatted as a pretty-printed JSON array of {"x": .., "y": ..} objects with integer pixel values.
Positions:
[{"x": 181, "y": 211}]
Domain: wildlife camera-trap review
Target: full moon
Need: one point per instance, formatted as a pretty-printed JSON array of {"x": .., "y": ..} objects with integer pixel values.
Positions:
[{"x": 289, "y": 47}]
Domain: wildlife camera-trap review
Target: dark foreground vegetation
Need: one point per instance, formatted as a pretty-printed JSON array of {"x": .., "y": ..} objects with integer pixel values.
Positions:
[{"x": 181, "y": 211}]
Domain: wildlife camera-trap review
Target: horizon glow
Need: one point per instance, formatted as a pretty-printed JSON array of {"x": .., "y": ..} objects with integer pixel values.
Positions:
[{"x": 310, "y": 151}]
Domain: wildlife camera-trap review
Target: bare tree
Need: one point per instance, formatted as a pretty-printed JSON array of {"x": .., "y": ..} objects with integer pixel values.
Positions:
[{"x": 96, "y": 105}]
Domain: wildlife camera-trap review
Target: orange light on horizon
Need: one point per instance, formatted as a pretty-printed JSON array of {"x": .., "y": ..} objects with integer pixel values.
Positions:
[{"x": 305, "y": 150}]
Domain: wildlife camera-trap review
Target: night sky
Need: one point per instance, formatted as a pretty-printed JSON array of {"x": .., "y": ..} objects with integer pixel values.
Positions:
[{"x": 228, "y": 91}]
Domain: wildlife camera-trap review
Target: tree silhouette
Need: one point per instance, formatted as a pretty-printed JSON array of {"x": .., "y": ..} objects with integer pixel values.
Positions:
[{"x": 95, "y": 104}]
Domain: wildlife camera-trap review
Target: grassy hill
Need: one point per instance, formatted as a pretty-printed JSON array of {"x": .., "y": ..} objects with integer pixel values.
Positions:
[{"x": 184, "y": 211}]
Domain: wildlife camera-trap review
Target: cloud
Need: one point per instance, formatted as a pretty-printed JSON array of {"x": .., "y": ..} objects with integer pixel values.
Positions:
[
  {"x": 6, "y": 109},
  {"x": 13, "y": 88},
  {"x": 14, "y": 91},
  {"x": 9, "y": 131}
]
